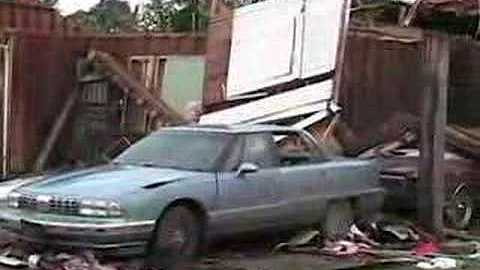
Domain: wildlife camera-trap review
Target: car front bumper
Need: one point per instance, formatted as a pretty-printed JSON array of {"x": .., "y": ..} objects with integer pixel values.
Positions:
[{"x": 120, "y": 238}]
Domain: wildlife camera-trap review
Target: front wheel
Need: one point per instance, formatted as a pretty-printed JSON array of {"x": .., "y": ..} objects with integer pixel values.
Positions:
[{"x": 176, "y": 239}]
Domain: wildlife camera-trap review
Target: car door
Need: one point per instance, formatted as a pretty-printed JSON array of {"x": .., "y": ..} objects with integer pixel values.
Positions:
[
  {"x": 248, "y": 202},
  {"x": 304, "y": 183}
]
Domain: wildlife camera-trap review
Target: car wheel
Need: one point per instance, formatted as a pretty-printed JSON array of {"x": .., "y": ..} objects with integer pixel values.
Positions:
[
  {"x": 459, "y": 209},
  {"x": 176, "y": 239},
  {"x": 338, "y": 220}
]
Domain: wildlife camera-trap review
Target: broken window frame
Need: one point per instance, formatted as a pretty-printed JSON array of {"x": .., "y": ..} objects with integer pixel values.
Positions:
[{"x": 152, "y": 75}]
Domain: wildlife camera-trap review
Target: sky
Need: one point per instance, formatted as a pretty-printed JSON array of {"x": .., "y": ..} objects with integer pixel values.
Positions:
[{"x": 70, "y": 6}]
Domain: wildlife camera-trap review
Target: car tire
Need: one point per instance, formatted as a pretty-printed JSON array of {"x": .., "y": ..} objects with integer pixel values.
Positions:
[
  {"x": 459, "y": 209},
  {"x": 338, "y": 220},
  {"x": 176, "y": 240}
]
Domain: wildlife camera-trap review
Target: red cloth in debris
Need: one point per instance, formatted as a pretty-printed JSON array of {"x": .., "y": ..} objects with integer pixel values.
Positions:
[{"x": 426, "y": 248}]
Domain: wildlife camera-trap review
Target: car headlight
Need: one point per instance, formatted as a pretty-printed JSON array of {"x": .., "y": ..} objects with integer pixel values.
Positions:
[
  {"x": 13, "y": 199},
  {"x": 100, "y": 208}
]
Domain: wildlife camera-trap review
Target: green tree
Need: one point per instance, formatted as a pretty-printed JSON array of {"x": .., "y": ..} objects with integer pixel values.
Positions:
[
  {"x": 108, "y": 16},
  {"x": 157, "y": 16},
  {"x": 45, "y": 2},
  {"x": 174, "y": 15}
]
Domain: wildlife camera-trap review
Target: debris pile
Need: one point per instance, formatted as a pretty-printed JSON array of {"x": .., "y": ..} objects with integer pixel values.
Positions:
[
  {"x": 386, "y": 242},
  {"x": 50, "y": 260}
]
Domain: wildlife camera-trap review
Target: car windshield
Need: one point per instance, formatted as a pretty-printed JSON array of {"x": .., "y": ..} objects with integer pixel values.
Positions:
[{"x": 177, "y": 149}]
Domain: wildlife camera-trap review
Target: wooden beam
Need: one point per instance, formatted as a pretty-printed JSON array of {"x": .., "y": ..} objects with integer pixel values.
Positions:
[
  {"x": 430, "y": 187},
  {"x": 56, "y": 130}
]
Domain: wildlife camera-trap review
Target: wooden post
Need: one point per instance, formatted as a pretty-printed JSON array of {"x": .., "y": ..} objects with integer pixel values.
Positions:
[
  {"x": 430, "y": 187},
  {"x": 341, "y": 46}
]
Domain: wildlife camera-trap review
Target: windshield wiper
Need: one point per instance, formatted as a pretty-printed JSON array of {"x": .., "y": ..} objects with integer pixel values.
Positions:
[{"x": 142, "y": 164}]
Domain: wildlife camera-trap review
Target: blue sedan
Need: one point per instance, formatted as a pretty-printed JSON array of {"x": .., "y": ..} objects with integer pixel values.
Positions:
[{"x": 182, "y": 186}]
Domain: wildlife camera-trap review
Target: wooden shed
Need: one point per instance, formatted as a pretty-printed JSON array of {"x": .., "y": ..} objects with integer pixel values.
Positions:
[{"x": 39, "y": 50}]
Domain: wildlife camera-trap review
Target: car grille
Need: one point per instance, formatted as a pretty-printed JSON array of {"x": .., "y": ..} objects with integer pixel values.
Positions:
[{"x": 52, "y": 204}]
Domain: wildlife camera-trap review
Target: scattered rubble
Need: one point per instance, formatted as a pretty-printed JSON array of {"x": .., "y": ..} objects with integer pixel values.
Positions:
[{"x": 386, "y": 242}]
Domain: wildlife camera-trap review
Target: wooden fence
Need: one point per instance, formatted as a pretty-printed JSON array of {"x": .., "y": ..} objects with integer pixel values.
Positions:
[
  {"x": 37, "y": 18},
  {"x": 383, "y": 76}
]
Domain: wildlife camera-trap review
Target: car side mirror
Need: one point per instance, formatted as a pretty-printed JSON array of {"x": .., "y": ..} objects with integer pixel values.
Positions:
[{"x": 247, "y": 168}]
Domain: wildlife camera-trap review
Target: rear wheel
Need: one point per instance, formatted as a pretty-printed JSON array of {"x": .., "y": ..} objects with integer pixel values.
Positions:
[
  {"x": 176, "y": 239},
  {"x": 338, "y": 220},
  {"x": 459, "y": 209}
]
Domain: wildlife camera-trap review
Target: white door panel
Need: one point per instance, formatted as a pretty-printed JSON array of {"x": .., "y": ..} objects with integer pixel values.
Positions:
[
  {"x": 322, "y": 28},
  {"x": 275, "y": 42},
  {"x": 264, "y": 46}
]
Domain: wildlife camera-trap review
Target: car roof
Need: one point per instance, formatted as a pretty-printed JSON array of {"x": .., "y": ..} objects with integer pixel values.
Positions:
[{"x": 232, "y": 129}]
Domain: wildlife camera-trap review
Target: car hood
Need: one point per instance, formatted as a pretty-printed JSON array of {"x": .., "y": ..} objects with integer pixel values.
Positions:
[
  {"x": 105, "y": 181},
  {"x": 7, "y": 186}
]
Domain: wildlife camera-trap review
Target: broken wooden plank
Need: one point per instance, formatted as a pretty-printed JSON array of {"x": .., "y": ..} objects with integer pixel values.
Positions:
[
  {"x": 412, "y": 12},
  {"x": 56, "y": 130}
]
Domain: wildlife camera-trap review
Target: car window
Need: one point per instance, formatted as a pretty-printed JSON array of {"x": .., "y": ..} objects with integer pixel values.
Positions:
[
  {"x": 258, "y": 149},
  {"x": 177, "y": 149},
  {"x": 293, "y": 149}
]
